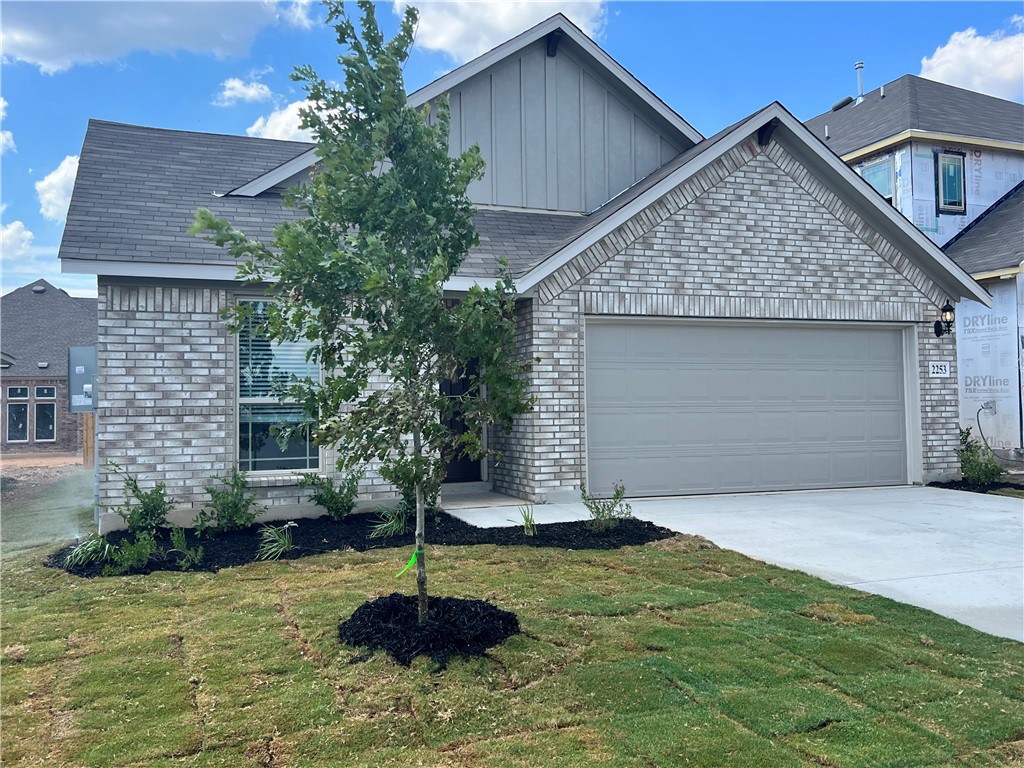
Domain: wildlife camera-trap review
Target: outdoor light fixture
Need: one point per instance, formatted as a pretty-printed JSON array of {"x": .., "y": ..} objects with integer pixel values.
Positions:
[{"x": 945, "y": 325}]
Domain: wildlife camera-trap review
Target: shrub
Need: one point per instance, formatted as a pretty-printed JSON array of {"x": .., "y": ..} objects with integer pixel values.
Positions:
[
  {"x": 93, "y": 549},
  {"x": 978, "y": 463},
  {"x": 232, "y": 506},
  {"x": 338, "y": 501},
  {"x": 187, "y": 556},
  {"x": 143, "y": 511},
  {"x": 606, "y": 513},
  {"x": 274, "y": 542},
  {"x": 132, "y": 556}
]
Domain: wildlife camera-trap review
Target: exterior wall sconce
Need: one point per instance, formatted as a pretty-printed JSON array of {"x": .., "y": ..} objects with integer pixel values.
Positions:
[{"x": 945, "y": 325}]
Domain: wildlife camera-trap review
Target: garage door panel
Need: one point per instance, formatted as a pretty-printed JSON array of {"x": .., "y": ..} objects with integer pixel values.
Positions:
[{"x": 686, "y": 408}]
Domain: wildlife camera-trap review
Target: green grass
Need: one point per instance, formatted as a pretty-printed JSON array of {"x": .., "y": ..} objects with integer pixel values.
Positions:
[
  {"x": 640, "y": 657},
  {"x": 54, "y": 513}
]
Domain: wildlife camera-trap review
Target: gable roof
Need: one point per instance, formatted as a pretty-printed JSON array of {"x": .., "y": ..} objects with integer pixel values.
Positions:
[
  {"x": 555, "y": 25},
  {"x": 995, "y": 240},
  {"x": 912, "y": 106},
  {"x": 40, "y": 325}
]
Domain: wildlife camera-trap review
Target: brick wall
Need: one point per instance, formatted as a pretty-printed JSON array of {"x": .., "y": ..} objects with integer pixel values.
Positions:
[{"x": 754, "y": 235}]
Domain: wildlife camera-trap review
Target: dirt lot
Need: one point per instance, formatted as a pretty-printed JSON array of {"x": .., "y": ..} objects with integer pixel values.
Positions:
[{"x": 44, "y": 499}]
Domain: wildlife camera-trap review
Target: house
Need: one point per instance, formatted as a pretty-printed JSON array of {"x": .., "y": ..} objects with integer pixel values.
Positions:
[
  {"x": 734, "y": 313},
  {"x": 946, "y": 158},
  {"x": 39, "y": 323}
]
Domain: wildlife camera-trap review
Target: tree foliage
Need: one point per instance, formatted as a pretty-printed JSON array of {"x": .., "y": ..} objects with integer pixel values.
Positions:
[{"x": 361, "y": 275}]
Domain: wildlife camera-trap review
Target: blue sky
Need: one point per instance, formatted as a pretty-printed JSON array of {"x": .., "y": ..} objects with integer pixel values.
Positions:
[{"x": 223, "y": 67}]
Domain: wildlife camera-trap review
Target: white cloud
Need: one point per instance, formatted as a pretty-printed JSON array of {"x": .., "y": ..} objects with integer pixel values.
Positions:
[
  {"x": 15, "y": 242},
  {"x": 54, "y": 190},
  {"x": 281, "y": 124},
  {"x": 234, "y": 90},
  {"x": 464, "y": 29},
  {"x": 297, "y": 14},
  {"x": 6, "y": 137},
  {"x": 989, "y": 64},
  {"x": 59, "y": 35}
]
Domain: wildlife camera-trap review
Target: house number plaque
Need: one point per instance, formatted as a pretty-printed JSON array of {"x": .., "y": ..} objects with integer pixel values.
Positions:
[{"x": 938, "y": 370}]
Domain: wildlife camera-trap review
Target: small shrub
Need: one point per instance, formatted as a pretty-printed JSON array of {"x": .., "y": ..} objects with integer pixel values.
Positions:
[
  {"x": 188, "y": 557},
  {"x": 143, "y": 511},
  {"x": 526, "y": 518},
  {"x": 978, "y": 463},
  {"x": 338, "y": 501},
  {"x": 274, "y": 542},
  {"x": 606, "y": 513},
  {"x": 394, "y": 521},
  {"x": 232, "y": 506},
  {"x": 93, "y": 549},
  {"x": 132, "y": 556}
]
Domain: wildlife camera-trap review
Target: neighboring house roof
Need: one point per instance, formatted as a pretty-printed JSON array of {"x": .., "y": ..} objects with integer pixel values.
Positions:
[
  {"x": 38, "y": 323},
  {"x": 913, "y": 106},
  {"x": 995, "y": 240}
]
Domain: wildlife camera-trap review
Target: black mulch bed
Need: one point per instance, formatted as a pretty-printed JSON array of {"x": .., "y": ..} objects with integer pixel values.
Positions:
[
  {"x": 322, "y": 534},
  {"x": 454, "y": 627},
  {"x": 963, "y": 485}
]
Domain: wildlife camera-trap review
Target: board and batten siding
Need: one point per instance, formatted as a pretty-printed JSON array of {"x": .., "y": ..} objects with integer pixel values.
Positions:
[{"x": 554, "y": 134}]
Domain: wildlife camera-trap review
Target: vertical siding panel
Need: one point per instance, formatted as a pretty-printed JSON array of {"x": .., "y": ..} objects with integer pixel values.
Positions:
[
  {"x": 620, "y": 170},
  {"x": 476, "y": 103},
  {"x": 594, "y": 174},
  {"x": 535, "y": 128},
  {"x": 567, "y": 117},
  {"x": 508, "y": 139}
]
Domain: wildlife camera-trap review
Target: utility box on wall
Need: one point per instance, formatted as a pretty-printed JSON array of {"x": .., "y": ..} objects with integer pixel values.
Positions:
[{"x": 81, "y": 379}]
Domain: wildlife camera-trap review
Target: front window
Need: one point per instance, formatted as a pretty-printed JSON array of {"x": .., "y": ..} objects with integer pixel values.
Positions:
[
  {"x": 17, "y": 422},
  {"x": 46, "y": 393},
  {"x": 949, "y": 182},
  {"x": 879, "y": 174},
  {"x": 262, "y": 366},
  {"x": 46, "y": 422},
  {"x": 17, "y": 393}
]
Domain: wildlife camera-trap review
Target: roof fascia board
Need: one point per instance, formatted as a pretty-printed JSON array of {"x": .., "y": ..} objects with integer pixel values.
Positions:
[
  {"x": 203, "y": 272},
  {"x": 773, "y": 111},
  {"x": 558, "y": 21},
  {"x": 999, "y": 273},
  {"x": 274, "y": 177},
  {"x": 919, "y": 135}
]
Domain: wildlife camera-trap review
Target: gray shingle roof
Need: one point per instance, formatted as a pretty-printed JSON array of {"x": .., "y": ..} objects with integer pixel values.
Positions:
[
  {"x": 138, "y": 189},
  {"x": 39, "y": 328},
  {"x": 994, "y": 240},
  {"x": 913, "y": 103}
]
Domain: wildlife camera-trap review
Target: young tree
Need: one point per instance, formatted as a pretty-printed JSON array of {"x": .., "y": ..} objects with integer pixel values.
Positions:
[{"x": 361, "y": 276}]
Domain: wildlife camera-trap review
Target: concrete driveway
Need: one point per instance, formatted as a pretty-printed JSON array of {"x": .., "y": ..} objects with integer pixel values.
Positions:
[{"x": 958, "y": 554}]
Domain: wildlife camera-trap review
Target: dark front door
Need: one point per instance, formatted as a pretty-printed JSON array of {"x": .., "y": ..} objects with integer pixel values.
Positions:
[{"x": 461, "y": 469}]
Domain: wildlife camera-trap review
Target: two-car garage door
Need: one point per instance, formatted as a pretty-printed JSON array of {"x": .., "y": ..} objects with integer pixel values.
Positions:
[{"x": 679, "y": 408}]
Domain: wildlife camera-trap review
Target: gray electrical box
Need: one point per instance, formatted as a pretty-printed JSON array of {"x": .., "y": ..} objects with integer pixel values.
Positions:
[{"x": 82, "y": 379}]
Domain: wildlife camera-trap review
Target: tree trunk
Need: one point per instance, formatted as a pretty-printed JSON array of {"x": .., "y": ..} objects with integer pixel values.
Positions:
[{"x": 421, "y": 518}]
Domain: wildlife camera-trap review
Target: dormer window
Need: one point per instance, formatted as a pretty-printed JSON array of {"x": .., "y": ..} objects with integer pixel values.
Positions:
[
  {"x": 879, "y": 174},
  {"x": 950, "y": 188}
]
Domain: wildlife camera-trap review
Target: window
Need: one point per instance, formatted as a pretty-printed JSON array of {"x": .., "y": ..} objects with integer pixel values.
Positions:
[
  {"x": 46, "y": 393},
  {"x": 17, "y": 422},
  {"x": 17, "y": 393},
  {"x": 879, "y": 174},
  {"x": 949, "y": 182},
  {"x": 46, "y": 422},
  {"x": 261, "y": 366}
]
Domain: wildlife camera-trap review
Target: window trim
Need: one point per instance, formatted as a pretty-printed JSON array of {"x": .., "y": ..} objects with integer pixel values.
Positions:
[
  {"x": 46, "y": 397},
  {"x": 318, "y": 451},
  {"x": 890, "y": 162},
  {"x": 11, "y": 396},
  {"x": 35, "y": 422},
  {"x": 28, "y": 431},
  {"x": 940, "y": 208}
]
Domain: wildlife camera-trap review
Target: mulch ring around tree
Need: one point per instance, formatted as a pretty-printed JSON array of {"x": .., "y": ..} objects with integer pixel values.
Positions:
[
  {"x": 322, "y": 534},
  {"x": 454, "y": 627}
]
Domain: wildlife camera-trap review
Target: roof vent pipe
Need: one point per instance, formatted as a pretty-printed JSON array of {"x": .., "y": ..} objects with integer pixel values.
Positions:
[
  {"x": 859, "y": 66},
  {"x": 881, "y": 92}
]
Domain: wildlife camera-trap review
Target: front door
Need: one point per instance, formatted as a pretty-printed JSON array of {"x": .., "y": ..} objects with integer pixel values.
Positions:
[{"x": 461, "y": 469}]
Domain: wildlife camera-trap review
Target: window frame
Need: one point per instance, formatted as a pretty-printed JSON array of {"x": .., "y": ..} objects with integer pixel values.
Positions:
[
  {"x": 12, "y": 396},
  {"x": 35, "y": 422},
  {"x": 20, "y": 404},
  {"x": 941, "y": 157},
  {"x": 314, "y": 453},
  {"x": 46, "y": 397},
  {"x": 890, "y": 162}
]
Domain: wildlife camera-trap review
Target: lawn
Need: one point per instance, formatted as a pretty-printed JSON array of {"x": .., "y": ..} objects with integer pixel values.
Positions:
[{"x": 637, "y": 657}]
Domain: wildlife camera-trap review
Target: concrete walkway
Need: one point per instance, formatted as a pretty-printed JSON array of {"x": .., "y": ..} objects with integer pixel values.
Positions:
[{"x": 958, "y": 554}]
